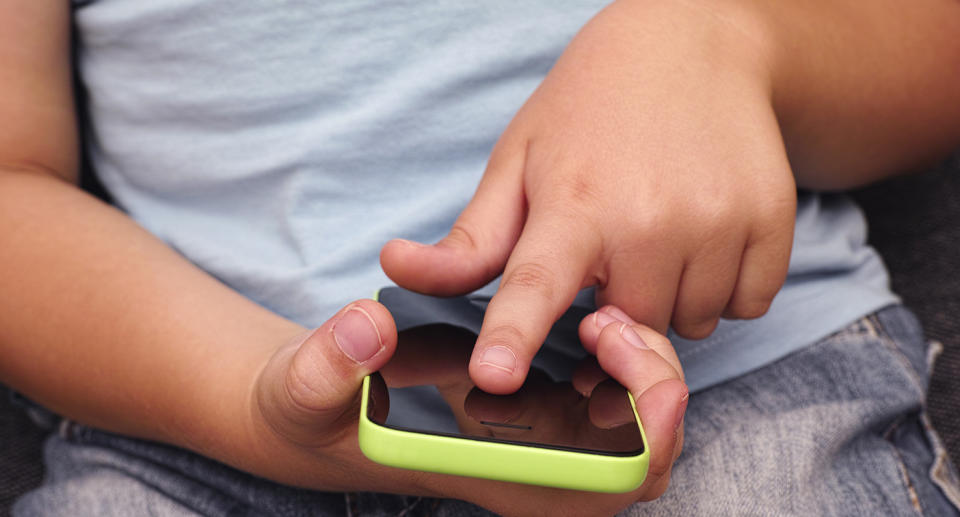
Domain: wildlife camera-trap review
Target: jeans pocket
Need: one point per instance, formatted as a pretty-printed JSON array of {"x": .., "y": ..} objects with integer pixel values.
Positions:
[
  {"x": 900, "y": 332},
  {"x": 943, "y": 473},
  {"x": 928, "y": 476}
]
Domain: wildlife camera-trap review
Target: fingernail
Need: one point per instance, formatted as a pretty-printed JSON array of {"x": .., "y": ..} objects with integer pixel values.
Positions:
[
  {"x": 615, "y": 312},
  {"x": 499, "y": 357},
  {"x": 602, "y": 319},
  {"x": 357, "y": 335},
  {"x": 630, "y": 336},
  {"x": 681, "y": 411}
]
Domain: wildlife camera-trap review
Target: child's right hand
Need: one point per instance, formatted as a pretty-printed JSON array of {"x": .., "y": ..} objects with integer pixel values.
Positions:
[
  {"x": 304, "y": 408},
  {"x": 649, "y": 164}
]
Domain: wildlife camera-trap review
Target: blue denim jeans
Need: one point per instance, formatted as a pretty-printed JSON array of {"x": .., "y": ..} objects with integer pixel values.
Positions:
[{"x": 835, "y": 429}]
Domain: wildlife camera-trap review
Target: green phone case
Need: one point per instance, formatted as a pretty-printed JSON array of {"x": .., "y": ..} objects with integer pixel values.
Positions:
[{"x": 502, "y": 461}]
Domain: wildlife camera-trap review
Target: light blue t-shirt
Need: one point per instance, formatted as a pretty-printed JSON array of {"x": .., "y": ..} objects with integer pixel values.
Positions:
[{"x": 278, "y": 144}]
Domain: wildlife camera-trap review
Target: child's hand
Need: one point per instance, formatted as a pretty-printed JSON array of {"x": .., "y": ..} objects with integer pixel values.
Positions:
[
  {"x": 305, "y": 403},
  {"x": 648, "y": 163}
]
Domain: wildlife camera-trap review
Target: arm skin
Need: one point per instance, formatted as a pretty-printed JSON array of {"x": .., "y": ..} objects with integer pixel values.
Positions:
[
  {"x": 864, "y": 90},
  {"x": 103, "y": 323},
  {"x": 99, "y": 320}
]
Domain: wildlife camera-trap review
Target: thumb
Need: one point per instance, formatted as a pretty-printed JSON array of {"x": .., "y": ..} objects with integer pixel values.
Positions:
[
  {"x": 312, "y": 384},
  {"x": 477, "y": 247},
  {"x": 637, "y": 356}
]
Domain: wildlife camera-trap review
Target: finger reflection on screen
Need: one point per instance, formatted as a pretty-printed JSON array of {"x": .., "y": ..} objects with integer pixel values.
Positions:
[
  {"x": 609, "y": 406},
  {"x": 426, "y": 388}
]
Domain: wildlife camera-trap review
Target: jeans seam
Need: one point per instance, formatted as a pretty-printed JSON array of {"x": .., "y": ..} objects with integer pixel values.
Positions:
[
  {"x": 902, "y": 467},
  {"x": 873, "y": 326},
  {"x": 410, "y": 507},
  {"x": 889, "y": 343},
  {"x": 941, "y": 472},
  {"x": 72, "y": 432},
  {"x": 349, "y": 500}
]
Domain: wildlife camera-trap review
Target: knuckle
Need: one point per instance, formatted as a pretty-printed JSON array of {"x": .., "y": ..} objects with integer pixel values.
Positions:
[
  {"x": 772, "y": 234},
  {"x": 533, "y": 277},
  {"x": 461, "y": 234},
  {"x": 717, "y": 210},
  {"x": 778, "y": 204},
  {"x": 657, "y": 489},
  {"x": 721, "y": 232},
  {"x": 697, "y": 319},
  {"x": 468, "y": 238},
  {"x": 575, "y": 199},
  {"x": 661, "y": 468},
  {"x": 306, "y": 388},
  {"x": 507, "y": 335},
  {"x": 773, "y": 222},
  {"x": 641, "y": 229},
  {"x": 696, "y": 329},
  {"x": 580, "y": 189},
  {"x": 750, "y": 308}
]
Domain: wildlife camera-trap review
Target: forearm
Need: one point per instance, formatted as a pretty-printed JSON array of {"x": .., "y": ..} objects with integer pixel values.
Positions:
[
  {"x": 863, "y": 90},
  {"x": 860, "y": 91},
  {"x": 100, "y": 321}
]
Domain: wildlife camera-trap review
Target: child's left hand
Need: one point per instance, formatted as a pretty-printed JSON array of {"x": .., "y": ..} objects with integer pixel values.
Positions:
[
  {"x": 298, "y": 424},
  {"x": 648, "y": 163}
]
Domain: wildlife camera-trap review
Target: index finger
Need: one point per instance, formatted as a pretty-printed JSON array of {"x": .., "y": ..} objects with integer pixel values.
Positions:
[{"x": 551, "y": 262}]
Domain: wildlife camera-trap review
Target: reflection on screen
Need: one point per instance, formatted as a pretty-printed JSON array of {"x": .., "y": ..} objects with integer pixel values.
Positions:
[{"x": 426, "y": 388}]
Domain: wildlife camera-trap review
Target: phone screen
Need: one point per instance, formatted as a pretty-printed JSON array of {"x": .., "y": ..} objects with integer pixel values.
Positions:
[{"x": 426, "y": 388}]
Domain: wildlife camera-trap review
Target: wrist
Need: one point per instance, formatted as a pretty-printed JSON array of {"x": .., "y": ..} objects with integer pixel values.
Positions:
[
  {"x": 725, "y": 38},
  {"x": 857, "y": 94},
  {"x": 219, "y": 420}
]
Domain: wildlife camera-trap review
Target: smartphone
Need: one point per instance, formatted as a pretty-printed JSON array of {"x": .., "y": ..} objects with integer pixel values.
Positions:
[{"x": 423, "y": 412}]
